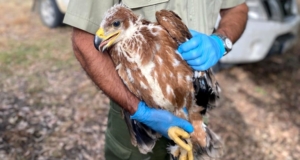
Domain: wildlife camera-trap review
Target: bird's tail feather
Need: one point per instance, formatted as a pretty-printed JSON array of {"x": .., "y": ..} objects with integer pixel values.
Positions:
[
  {"x": 214, "y": 147},
  {"x": 141, "y": 136},
  {"x": 206, "y": 89}
]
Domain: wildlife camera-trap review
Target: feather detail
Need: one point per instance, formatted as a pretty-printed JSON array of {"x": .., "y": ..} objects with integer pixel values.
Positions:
[
  {"x": 206, "y": 90},
  {"x": 173, "y": 25},
  {"x": 141, "y": 136}
]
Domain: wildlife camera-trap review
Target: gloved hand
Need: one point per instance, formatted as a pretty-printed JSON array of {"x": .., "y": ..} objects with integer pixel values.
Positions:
[
  {"x": 160, "y": 120},
  {"x": 201, "y": 51}
]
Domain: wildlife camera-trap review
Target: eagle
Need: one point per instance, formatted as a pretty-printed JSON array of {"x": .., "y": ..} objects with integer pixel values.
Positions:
[{"x": 146, "y": 59}]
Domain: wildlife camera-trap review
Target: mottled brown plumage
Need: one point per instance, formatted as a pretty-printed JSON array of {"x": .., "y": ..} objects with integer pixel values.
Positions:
[{"x": 146, "y": 59}]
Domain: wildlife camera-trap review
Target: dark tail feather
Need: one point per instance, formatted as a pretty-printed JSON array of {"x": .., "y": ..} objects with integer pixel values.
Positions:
[
  {"x": 206, "y": 90},
  {"x": 214, "y": 147},
  {"x": 141, "y": 136}
]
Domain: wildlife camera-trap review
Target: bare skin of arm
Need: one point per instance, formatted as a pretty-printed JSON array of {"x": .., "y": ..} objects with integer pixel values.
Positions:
[
  {"x": 101, "y": 69},
  {"x": 233, "y": 22}
]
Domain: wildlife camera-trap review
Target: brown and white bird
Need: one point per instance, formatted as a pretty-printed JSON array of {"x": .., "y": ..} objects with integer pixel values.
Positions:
[{"x": 146, "y": 59}]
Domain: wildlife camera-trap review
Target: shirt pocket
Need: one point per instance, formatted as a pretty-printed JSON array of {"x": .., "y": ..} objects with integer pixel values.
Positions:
[
  {"x": 146, "y": 8},
  {"x": 141, "y": 3}
]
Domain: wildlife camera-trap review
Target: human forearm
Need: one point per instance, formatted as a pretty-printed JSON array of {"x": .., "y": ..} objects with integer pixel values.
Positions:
[
  {"x": 233, "y": 22},
  {"x": 101, "y": 70}
]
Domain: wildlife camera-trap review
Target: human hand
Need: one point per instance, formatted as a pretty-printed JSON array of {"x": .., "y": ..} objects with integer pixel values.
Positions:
[
  {"x": 160, "y": 120},
  {"x": 201, "y": 51}
]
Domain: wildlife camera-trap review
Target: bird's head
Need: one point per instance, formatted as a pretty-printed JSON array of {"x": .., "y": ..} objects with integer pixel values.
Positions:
[{"x": 114, "y": 27}]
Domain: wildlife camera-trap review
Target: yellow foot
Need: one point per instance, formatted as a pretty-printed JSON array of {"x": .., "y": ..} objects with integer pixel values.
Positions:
[
  {"x": 184, "y": 151},
  {"x": 184, "y": 155},
  {"x": 180, "y": 153}
]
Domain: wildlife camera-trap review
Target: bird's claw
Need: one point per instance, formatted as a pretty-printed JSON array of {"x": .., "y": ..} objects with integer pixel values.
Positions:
[
  {"x": 186, "y": 155},
  {"x": 176, "y": 133},
  {"x": 184, "y": 151},
  {"x": 179, "y": 153}
]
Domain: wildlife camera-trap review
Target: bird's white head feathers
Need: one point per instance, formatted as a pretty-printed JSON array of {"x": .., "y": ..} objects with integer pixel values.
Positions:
[{"x": 119, "y": 23}]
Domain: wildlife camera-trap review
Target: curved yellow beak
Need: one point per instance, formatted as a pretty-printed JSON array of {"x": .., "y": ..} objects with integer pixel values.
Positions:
[{"x": 102, "y": 42}]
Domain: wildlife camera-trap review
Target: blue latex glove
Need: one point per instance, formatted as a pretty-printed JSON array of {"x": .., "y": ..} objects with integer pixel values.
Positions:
[
  {"x": 201, "y": 51},
  {"x": 160, "y": 120}
]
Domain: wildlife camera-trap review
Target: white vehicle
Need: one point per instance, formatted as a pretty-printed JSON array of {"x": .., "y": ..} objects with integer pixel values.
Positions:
[
  {"x": 272, "y": 27},
  {"x": 52, "y": 11}
]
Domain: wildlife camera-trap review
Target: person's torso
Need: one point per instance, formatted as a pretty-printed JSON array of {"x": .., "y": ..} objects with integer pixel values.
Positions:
[{"x": 200, "y": 15}]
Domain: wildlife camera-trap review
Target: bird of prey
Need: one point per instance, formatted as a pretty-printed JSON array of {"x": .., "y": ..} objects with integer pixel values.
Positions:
[{"x": 146, "y": 59}]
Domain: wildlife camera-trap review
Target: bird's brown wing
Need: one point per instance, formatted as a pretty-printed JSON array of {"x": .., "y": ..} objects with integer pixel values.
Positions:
[
  {"x": 206, "y": 87},
  {"x": 172, "y": 23}
]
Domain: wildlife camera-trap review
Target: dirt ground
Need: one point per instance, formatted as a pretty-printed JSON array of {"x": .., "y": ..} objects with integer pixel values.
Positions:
[{"x": 49, "y": 109}]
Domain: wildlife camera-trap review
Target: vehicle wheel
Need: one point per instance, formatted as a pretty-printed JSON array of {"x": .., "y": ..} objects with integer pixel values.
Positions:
[{"x": 50, "y": 14}]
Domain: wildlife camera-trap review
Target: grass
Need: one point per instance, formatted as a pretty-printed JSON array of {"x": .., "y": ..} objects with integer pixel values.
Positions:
[
  {"x": 21, "y": 55},
  {"x": 27, "y": 53},
  {"x": 50, "y": 51}
]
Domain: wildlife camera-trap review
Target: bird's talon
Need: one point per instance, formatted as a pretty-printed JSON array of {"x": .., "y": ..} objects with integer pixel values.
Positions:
[
  {"x": 181, "y": 153},
  {"x": 176, "y": 133},
  {"x": 190, "y": 155},
  {"x": 184, "y": 155}
]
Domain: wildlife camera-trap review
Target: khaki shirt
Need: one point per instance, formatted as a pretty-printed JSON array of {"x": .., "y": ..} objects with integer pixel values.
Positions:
[{"x": 200, "y": 15}]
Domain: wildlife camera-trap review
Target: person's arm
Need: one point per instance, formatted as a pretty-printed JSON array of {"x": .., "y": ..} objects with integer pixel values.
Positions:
[
  {"x": 202, "y": 51},
  {"x": 101, "y": 70},
  {"x": 233, "y": 22}
]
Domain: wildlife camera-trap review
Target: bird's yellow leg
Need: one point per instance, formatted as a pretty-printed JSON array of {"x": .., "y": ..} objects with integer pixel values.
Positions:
[
  {"x": 190, "y": 153},
  {"x": 186, "y": 155},
  {"x": 183, "y": 154},
  {"x": 175, "y": 133}
]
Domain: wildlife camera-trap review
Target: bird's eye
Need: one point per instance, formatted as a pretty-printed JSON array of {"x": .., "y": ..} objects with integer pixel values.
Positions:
[{"x": 116, "y": 23}]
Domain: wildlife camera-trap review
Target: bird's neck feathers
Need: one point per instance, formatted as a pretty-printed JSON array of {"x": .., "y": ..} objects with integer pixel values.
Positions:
[{"x": 134, "y": 27}]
